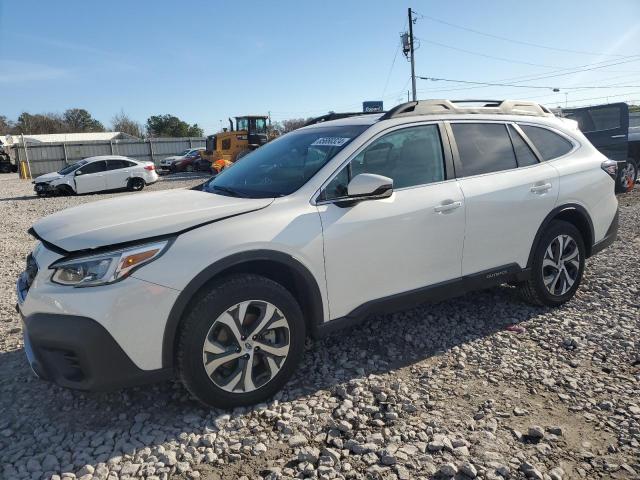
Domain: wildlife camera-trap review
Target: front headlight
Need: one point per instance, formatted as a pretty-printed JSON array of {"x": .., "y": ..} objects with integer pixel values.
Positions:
[{"x": 107, "y": 267}]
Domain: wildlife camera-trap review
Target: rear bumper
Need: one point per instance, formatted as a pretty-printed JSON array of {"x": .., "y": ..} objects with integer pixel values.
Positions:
[
  {"x": 609, "y": 238},
  {"x": 77, "y": 352}
]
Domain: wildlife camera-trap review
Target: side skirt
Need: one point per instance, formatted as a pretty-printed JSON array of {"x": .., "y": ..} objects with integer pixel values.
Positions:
[{"x": 431, "y": 294}]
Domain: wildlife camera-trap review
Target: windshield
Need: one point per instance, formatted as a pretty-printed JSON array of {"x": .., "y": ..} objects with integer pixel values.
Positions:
[
  {"x": 282, "y": 166},
  {"x": 72, "y": 167}
]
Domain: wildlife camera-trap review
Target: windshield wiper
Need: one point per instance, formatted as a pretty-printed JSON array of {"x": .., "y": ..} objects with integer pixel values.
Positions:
[{"x": 230, "y": 191}]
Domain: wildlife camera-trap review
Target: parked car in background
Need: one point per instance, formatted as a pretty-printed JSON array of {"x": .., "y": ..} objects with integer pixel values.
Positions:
[
  {"x": 221, "y": 286},
  {"x": 97, "y": 174},
  {"x": 183, "y": 162},
  {"x": 607, "y": 128}
]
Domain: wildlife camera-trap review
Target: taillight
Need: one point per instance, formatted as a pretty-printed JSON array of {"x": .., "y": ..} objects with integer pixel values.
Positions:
[
  {"x": 151, "y": 168},
  {"x": 611, "y": 167}
]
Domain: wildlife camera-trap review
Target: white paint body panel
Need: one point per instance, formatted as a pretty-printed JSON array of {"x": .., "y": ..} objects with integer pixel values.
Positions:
[
  {"x": 503, "y": 215},
  {"x": 382, "y": 247}
]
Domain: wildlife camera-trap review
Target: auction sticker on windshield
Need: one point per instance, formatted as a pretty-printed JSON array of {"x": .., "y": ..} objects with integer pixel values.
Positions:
[{"x": 330, "y": 142}]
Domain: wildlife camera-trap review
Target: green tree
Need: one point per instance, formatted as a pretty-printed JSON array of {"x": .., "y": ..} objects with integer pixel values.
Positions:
[
  {"x": 79, "y": 120},
  {"x": 171, "y": 126},
  {"x": 40, "y": 123},
  {"x": 6, "y": 125},
  {"x": 122, "y": 123}
]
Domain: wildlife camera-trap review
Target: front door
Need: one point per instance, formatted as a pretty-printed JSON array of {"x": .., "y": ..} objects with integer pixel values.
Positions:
[
  {"x": 91, "y": 177},
  {"x": 378, "y": 248}
]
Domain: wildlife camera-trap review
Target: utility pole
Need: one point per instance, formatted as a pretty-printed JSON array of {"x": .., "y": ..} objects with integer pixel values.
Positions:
[{"x": 413, "y": 64}]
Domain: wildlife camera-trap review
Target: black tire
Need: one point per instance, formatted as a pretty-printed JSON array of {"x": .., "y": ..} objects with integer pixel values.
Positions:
[
  {"x": 5, "y": 167},
  {"x": 205, "y": 311},
  {"x": 136, "y": 184},
  {"x": 534, "y": 290},
  {"x": 64, "y": 190},
  {"x": 189, "y": 168}
]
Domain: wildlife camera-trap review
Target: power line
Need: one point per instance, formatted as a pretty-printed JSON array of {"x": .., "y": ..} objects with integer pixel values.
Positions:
[
  {"x": 512, "y": 40},
  {"x": 491, "y": 84},
  {"x": 573, "y": 70},
  {"x": 484, "y": 55}
]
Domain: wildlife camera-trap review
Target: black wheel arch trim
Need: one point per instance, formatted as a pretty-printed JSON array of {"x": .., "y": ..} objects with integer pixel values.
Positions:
[
  {"x": 214, "y": 270},
  {"x": 553, "y": 215}
]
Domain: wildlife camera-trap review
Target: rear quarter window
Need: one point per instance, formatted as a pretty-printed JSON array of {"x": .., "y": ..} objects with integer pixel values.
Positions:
[{"x": 548, "y": 143}]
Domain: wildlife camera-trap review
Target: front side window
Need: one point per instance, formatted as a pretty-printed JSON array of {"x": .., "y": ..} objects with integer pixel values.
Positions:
[
  {"x": 72, "y": 167},
  {"x": 242, "y": 124},
  {"x": 410, "y": 157},
  {"x": 483, "y": 148},
  {"x": 284, "y": 165},
  {"x": 258, "y": 125},
  {"x": 94, "y": 167},
  {"x": 549, "y": 144}
]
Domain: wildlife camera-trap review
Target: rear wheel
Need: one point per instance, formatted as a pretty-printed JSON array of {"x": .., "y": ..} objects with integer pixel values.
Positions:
[
  {"x": 136, "y": 184},
  {"x": 628, "y": 176},
  {"x": 240, "y": 342},
  {"x": 189, "y": 168},
  {"x": 557, "y": 268}
]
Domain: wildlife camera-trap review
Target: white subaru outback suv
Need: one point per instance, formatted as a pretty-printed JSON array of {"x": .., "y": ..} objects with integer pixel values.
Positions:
[{"x": 312, "y": 232}]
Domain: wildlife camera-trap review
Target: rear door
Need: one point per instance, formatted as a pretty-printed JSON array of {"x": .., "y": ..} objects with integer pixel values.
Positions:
[
  {"x": 507, "y": 193},
  {"x": 118, "y": 173},
  {"x": 91, "y": 177}
]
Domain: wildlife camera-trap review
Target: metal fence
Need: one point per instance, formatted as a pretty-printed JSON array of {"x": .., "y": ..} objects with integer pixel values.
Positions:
[{"x": 51, "y": 157}]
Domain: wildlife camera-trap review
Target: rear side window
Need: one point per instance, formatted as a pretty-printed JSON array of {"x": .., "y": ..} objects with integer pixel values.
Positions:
[
  {"x": 483, "y": 148},
  {"x": 524, "y": 154},
  {"x": 118, "y": 164},
  {"x": 549, "y": 144}
]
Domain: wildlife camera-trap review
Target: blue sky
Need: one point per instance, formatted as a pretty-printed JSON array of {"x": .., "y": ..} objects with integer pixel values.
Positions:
[{"x": 205, "y": 61}]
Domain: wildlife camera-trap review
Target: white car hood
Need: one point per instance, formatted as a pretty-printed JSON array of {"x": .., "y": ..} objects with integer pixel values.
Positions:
[
  {"x": 138, "y": 217},
  {"x": 48, "y": 177}
]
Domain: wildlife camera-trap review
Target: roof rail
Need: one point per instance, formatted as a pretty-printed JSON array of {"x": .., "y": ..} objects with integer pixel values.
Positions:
[
  {"x": 502, "y": 107},
  {"x": 334, "y": 116}
]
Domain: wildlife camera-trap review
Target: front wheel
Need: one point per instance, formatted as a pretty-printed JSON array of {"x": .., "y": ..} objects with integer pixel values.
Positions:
[
  {"x": 557, "y": 268},
  {"x": 240, "y": 342}
]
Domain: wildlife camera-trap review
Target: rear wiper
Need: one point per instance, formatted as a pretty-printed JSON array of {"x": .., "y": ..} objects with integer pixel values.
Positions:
[{"x": 230, "y": 191}]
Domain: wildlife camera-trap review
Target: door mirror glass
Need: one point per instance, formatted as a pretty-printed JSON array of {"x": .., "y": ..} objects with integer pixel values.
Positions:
[{"x": 369, "y": 186}]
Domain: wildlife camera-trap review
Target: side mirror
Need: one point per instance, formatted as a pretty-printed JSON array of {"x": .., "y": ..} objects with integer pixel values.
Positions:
[
  {"x": 367, "y": 186},
  {"x": 78, "y": 172},
  {"x": 370, "y": 185}
]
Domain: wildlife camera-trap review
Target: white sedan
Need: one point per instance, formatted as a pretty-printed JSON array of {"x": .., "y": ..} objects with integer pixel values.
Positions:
[{"x": 96, "y": 174}]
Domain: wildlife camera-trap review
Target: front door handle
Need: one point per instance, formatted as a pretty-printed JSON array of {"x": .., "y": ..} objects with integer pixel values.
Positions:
[
  {"x": 545, "y": 187},
  {"x": 618, "y": 136},
  {"x": 447, "y": 207}
]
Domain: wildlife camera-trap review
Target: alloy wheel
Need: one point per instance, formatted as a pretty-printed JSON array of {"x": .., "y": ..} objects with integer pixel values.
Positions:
[
  {"x": 628, "y": 177},
  {"x": 561, "y": 265},
  {"x": 246, "y": 346}
]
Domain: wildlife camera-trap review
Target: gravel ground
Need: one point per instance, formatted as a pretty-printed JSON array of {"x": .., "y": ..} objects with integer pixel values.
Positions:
[{"x": 482, "y": 386}]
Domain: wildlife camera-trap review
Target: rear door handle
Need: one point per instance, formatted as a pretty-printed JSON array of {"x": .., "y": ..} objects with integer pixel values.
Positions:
[
  {"x": 447, "y": 207},
  {"x": 618, "y": 136},
  {"x": 545, "y": 187}
]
